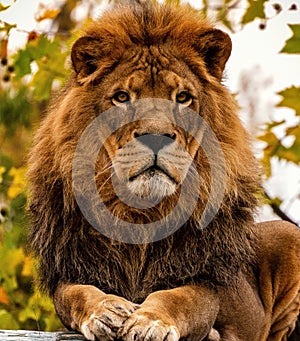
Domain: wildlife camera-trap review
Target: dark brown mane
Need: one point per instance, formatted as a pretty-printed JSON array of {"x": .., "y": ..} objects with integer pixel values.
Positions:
[{"x": 69, "y": 250}]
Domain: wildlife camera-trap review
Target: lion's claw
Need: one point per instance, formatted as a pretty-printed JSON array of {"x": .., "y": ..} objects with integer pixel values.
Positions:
[
  {"x": 141, "y": 328},
  {"x": 108, "y": 316}
]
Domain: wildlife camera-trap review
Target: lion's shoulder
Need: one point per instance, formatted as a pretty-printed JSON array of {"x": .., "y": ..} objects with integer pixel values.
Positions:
[
  {"x": 278, "y": 248},
  {"x": 277, "y": 232}
]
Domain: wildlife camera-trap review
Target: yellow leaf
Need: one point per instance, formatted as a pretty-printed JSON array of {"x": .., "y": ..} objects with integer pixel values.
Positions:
[
  {"x": 18, "y": 183},
  {"x": 3, "y": 8},
  {"x": 2, "y": 171},
  {"x": 27, "y": 267},
  {"x": 8, "y": 321},
  {"x": 13, "y": 258},
  {"x": 47, "y": 14}
]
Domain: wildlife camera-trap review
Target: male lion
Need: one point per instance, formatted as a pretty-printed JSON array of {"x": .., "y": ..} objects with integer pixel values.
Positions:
[{"x": 217, "y": 276}]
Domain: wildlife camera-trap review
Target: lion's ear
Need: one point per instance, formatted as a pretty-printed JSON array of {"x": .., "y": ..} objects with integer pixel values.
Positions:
[
  {"x": 85, "y": 56},
  {"x": 214, "y": 47}
]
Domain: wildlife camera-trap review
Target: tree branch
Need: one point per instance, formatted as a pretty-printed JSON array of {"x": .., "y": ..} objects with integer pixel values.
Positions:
[{"x": 277, "y": 210}]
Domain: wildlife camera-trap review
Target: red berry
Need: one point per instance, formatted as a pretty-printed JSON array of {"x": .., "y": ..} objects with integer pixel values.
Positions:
[
  {"x": 6, "y": 78},
  {"x": 262, "y": 26},
  {"x": 4, "y": 61},
  {"x": 277, "y": 7},
  {"x": 32, "y": 36},
  {"x": 293, "y": 7},
  {"x": 10, "y": 68}
]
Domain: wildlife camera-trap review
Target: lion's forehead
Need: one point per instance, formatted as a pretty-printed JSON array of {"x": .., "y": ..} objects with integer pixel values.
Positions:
[
  {"x": 154, "y": 70},
  {"x": 153, "y": 57}
]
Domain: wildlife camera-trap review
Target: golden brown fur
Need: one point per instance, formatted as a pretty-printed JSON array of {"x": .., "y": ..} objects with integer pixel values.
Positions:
[{"x": 231, "y": 275}]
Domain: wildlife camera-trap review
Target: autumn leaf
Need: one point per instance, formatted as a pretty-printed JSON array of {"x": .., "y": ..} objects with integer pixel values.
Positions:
[
  {"x": 28, "y": 266},
  {"x": 254, "y": 10},
  {"x": 3, "y": 48},
  {"x": 2, "y": 171},
  {"x": 7, "y": 320},
  {"x": 294, "y": 131},
  {"x": 270, "y": 138},
  {"x": 290, "y": 98},
  {"x": 270, "y": 125},
  {"x": 291, "y": 154},
  {"x": 3, "y": 296},
  {"x": 292, "y": 45},
  {"x": 6, "y": 27},
  {"x": 3, "y": 8},
  {"x": 270, "y": 150},
  {"x": 18, "y": 183},
  {"x": 47, "y": 14}
]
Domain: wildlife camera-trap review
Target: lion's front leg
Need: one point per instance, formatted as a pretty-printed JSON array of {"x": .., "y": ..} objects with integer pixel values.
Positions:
[
  {"x": 92, "y": 312},
  {"x": 185, "y": 312}
]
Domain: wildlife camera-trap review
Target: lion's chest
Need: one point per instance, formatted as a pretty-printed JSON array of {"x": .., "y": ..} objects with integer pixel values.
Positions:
[{"x": 136, "y": 272}]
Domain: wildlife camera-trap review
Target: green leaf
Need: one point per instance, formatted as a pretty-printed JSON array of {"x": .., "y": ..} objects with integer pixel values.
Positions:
[
  {"x": 290, "y": 99},
  {"x": 222, "y": 16},
  {"x": 50, "y": 67},
  {"x": 16, "y": 111},
  {"x": 291, "y": 154},
  {"x": 32, "y": 52},
  {"x": 43, "y": 85},
  {"x": 292, "y": 45},
  {"x": 50, "y": 59},
  {"x": 7, "y": 320},
  {"x": 274, "y": 148},
  {"x": 254, "y": 10},
  {"x": 22, "y": 63}
]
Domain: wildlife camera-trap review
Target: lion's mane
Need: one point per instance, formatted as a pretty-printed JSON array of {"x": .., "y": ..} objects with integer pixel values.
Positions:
[{"x": 69, "y": 250}]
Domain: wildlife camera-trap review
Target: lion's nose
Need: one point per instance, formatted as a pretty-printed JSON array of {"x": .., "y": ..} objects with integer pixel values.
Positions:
[{"x": 155, "y": 141}]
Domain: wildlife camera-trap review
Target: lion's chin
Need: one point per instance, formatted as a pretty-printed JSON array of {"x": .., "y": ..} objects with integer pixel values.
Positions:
[{"x": 152, "y": 185}]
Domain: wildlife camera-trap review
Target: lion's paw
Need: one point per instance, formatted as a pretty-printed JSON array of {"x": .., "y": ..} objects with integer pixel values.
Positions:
[
  {"x": 107, "y": 317},
  {"x": 141, "y": 328}
]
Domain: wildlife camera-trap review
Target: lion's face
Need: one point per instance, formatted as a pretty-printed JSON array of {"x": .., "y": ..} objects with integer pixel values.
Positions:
[{"x": 152, "y": 155}]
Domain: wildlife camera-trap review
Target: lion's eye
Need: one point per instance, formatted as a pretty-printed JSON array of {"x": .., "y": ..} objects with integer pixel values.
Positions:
[
  {"x": 183, "y": 97},
  {"x": 121, "y": 97}
]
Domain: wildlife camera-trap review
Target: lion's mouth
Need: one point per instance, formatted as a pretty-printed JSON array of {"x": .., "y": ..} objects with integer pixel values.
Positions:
[
  {"x": 152, "y": 183},
  {"x": 151, "y": 172}
]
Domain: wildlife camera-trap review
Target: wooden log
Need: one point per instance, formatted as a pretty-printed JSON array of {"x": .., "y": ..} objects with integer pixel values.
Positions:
[{"x": 26, "y": 335}]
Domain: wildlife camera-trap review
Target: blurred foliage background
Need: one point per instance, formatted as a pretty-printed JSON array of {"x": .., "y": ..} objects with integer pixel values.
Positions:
[{"x": 31, "y": 73}]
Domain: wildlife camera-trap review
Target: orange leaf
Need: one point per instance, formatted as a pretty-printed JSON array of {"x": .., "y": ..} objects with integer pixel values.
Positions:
[
  {"x": 3, "y": 48},
  {"x": 47, "y": 14},
  {"x": 3, "y": 297}
]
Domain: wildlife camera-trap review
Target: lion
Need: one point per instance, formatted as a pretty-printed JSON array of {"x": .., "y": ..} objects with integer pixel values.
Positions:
[{"x": 218, "y": 275}]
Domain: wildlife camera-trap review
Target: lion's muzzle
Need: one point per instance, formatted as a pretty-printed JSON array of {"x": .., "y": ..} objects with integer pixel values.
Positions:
[{"x": 152, "y": 165}]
